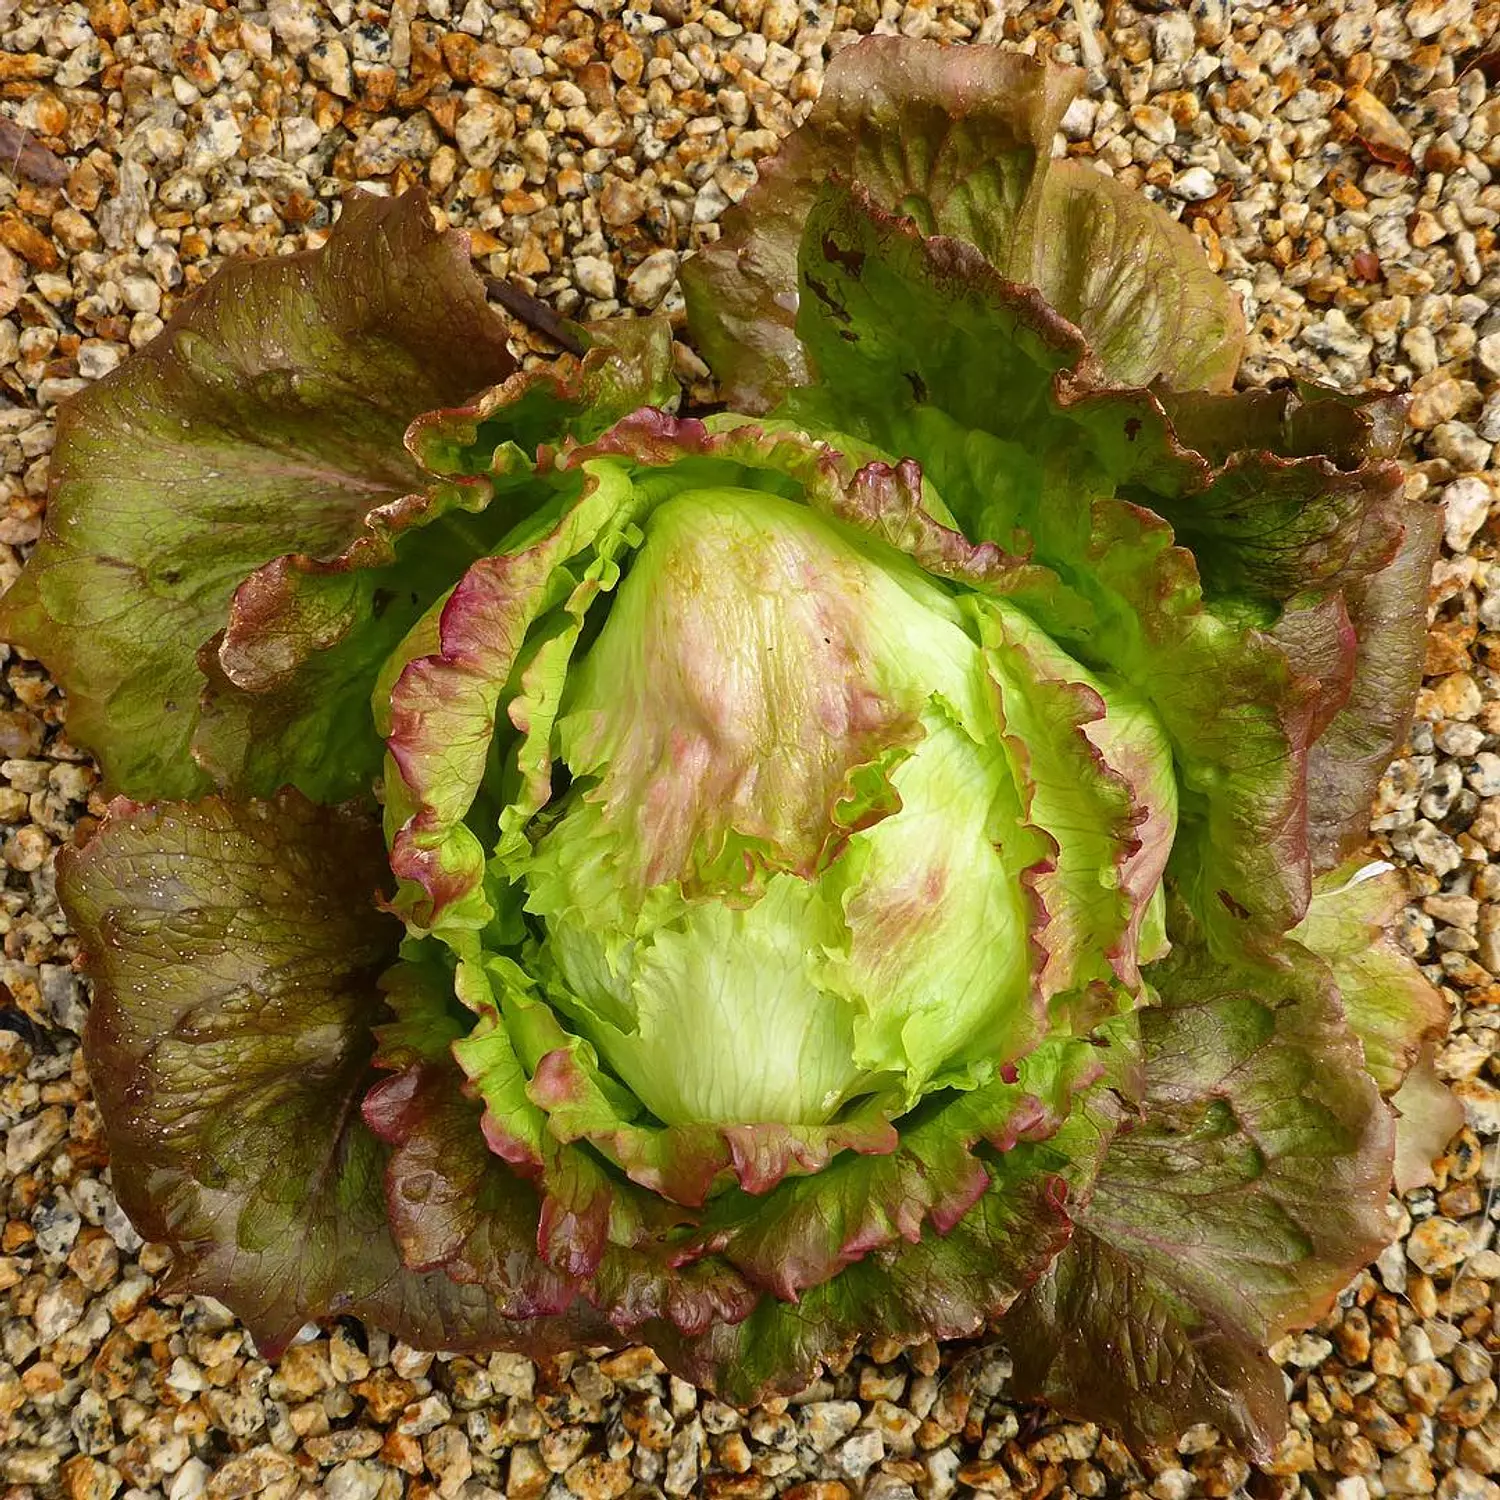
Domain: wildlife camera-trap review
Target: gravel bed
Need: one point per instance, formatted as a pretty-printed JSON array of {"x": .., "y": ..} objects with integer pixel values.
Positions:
[{"x": 1336, "y": 160}]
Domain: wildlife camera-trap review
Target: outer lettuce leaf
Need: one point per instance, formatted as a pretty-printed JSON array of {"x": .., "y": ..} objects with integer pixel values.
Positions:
[
  {"x": 542, "y": 1237},
  {"x": 1251, "y": 1188},
  {"x": 960, "y": 140},
  {"x": 1298, "y": 497},
  {"x": 1389, "y": 613},
  {"x": 307, "y": 639},
  {"x": 1135, "y": 280},
  {"x": 1287, "y": 499},
  {"x": 454, "y": 1205},
  {"x": 628, "y": 365},
  {"x": 1394, "y": 1011},
  {"x": 900, "y": 326},
  {"x": 1318, "y": 640},
  {"x": 290, "y": 677},
  {"x": 1389, "y": 1003},
  {"x": 235, "y": 951},
  {"x": 1237, "y": 715},
  {"x": 1102, "y": 1338},
  {"x": 946, "y": 1284},
  {"x": 953, "y": 1152},
  {"x": 266, "y": 418},
  {"x": 451, "y": 1205},
  {"x": 1305, "y": 509},
  {"x": 942, "y": 1286}
]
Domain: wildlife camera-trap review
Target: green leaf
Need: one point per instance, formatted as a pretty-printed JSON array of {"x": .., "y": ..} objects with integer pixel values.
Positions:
[
  {"x": 725, "y": 1018},
  {"x": 266, "y": 419},
  {"x": 753, "y": 663},
  {"x": 291, "y": 676},
  {"x": 1134, "y": 280},
  {"x": 442, "y": 708},
  {"x": 850, "y": 1247},
  {"x": 1388, "y": 611},
  {"x": 1101, "y": 1338},
  {"x": 939, "y": 917},
  {"x": 1387, "y": 999},
  {"x": 1067, "y": 734},
  {"x": 959, "y": 139},
  {"x": 1391, "y": 1007}
]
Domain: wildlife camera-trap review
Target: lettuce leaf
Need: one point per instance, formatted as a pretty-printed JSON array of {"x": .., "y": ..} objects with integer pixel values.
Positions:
[
  {"x": 959, "y": 140},
  {"x": 236, "y": 952},
  {"x": 266, "y": 419},
  {"x": 1235, "y": 1207}
]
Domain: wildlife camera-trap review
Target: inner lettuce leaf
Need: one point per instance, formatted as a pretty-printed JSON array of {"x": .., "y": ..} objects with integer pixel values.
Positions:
[
  {"x": 720, "y": 1017},
  {"x": 762, "y": 1289},
  {"x": 731, "y": 601},
  {"x": 643, "y": 914},
  {"x": 752, "y": 663}
]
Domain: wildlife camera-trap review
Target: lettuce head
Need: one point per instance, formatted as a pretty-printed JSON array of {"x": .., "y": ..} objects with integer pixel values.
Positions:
[{"x": 881, "y": 857}]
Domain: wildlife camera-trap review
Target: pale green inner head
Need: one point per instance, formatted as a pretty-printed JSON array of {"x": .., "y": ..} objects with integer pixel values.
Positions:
[{"x": 788, "y": 870}]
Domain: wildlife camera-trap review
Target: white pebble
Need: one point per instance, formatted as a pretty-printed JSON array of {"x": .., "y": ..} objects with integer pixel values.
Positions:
[
  {"x": 648, "y": 283},
  {"x": 1194, "y": 185},
  {"x": 189, "y": 1481},
  {"x": 1466, "y": 507},
  {"x": 594, "y": 275}
]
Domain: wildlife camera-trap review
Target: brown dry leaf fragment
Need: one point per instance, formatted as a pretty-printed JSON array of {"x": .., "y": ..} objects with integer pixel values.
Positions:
[{"x": 22, "y": 155}]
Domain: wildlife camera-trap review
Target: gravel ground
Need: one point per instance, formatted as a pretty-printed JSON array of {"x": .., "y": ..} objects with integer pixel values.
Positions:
[{"x": 1337, "y": 161}]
